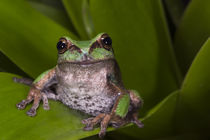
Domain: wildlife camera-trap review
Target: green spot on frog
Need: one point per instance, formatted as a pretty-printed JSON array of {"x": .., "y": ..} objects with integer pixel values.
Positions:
[
  {"x": 101, "y": 53},
  {"x": 123, "y": 105},
  {"x": 68, "y": 55}
]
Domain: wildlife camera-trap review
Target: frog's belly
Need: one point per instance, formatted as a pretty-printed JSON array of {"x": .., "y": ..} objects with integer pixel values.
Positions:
[{"x": 87, "y": 103}]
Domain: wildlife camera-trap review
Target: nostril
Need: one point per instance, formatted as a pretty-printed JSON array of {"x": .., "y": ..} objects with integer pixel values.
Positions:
[
  {"x": 89, "y": 58},
  {"x": 86, "y": 57}
]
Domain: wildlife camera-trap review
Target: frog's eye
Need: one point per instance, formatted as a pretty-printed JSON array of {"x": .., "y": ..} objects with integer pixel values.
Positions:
[
  {"x": 61, "y": 47},
  {"x": 107, "y": 43}
]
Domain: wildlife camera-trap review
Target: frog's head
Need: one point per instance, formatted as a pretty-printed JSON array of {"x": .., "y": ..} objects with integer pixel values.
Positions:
[{"x": 85, "y": 52}]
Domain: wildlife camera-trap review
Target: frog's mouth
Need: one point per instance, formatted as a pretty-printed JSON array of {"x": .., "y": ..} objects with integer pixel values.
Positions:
[{"x": 87, "y": 62}]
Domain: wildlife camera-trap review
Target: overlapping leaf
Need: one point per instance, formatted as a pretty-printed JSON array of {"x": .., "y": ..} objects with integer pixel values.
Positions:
[
  {"x": 193, "y": 31},
  {"x": 76, "y": 11},
  {"x": 142, "y": 47},
  {"x": 159, "y": 122},
  {"x": 175, "y": 9},
  {"x": 64, "y": 123},
  {"x": 141, "y": 43},
  {"x": 194, "y": 111},
  {"x": 55, "y": 10},
  {"x": 59, "y": 122},
  {"x": 29, "y": 39}
]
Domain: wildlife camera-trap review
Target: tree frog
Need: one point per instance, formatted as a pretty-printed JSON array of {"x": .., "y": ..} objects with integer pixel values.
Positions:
[{"x": 86, "y": 78}]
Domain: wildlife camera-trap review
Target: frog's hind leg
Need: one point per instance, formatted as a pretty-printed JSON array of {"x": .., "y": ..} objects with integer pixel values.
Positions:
[
  {"x": 132, "y": 115},
  {"x": 136, "y": 103}
]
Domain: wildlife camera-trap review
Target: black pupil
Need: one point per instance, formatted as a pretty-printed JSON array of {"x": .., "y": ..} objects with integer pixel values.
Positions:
[
  {"x": 61, "y": 45},
  {"x": 107, "y": 41}
]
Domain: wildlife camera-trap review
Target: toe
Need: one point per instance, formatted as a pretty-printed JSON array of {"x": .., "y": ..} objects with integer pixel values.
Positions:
[
  {"x": 116, "y": 125},
  {"x": 31, "y": 112},
  {"x": 46, "y": 107},
  {"x": 87, "y": 121},
  {"x": 21, "y": 105},
  {"x": 45, "y": 102},
  {"x": 139, "y": 123},
  {"x": 88, "y": 128},
  {"x": 102, "y": 134}
]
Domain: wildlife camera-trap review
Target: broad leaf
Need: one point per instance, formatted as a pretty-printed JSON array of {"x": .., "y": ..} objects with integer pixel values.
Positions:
[
  {"x": 76, "y": 12},
  {"x": 27, "y": 37},
  {"x": 7, "y": 65},
  {"x": 175, "y": 9},
  {"x": 159, "y": 122},
  {"x": 186, "y": 136},
  {"x": 194, "y": 110},
  {"x": 55, "y": 10},
  {"x": 59, "y": 122},
  {"x": 193, "y": 31},
  {"x": 64, "y": 123},
  {"x": 141, "y": 43}
]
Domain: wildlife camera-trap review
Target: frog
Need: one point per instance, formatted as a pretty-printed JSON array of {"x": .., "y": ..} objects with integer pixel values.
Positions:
[{"x": 86, "y": 78}]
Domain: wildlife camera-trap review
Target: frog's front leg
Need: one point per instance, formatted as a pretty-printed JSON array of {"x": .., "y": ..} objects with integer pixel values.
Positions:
[{"x": 36, "y": 93}]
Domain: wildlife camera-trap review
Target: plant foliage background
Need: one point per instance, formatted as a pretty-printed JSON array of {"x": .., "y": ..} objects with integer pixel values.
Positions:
[{"x": 162, "y": 48}]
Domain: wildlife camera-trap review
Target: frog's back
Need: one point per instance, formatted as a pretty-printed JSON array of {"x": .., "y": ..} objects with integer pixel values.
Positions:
[{"x": 86, "y": 87}]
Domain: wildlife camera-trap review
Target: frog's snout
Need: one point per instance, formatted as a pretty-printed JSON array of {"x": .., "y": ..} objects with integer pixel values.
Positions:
[{"x": 86, "y": 57}]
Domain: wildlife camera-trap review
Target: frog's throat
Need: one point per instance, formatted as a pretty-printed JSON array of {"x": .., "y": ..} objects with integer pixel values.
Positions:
[{"x": 87, "y": 62}]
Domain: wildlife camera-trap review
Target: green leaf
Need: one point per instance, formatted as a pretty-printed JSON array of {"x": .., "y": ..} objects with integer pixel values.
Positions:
[
  {"x": 28, "y": 38},
  {"x": 193, "y": 31},
  {"x": 76, "y": 13},
  {"x": 55, "y": 10},
  {"x": 6, "y": 65},
  {"x": 59, "y": 122},
  {"x": 159, "y": 122},
  {"x": 186, "y": 136},
  {"x": 175, "y": 9},
  {"x": 194, "y": 111},
  {"x": 141, "y": 43}
]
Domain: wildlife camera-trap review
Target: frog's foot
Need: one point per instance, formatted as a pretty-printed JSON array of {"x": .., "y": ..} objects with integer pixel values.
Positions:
[
  {"x": 136, "y": 121},
  {"x": 91, "y": 122},
  {"x": 102, "y": 118},
  {"x": 36, "y": 96}
]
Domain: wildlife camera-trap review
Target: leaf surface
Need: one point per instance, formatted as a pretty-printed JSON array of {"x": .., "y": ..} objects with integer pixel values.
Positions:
[
  {"x": 194, "y": 112},
  {"x": 29, "y": 40},
  {"x": 76, "y": 10},
  {"x": 59, "y": 122},
  {"x": 141, "y": 43},
  {"x": 193, "y": 31},
  {"x": 158, "y": 122}
]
